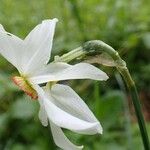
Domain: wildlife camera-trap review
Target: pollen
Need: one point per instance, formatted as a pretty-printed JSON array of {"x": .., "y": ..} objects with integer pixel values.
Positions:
[{"x": 25, "y": 86}]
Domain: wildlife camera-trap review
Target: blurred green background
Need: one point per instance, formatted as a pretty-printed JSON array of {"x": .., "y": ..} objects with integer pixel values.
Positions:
[{"x": 123, "y": 24}]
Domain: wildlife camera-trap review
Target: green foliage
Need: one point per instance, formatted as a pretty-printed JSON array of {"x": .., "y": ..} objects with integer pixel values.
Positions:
[{"x": 122, "y": 24}]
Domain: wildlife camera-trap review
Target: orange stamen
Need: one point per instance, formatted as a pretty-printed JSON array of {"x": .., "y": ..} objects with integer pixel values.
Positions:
[{"x": 25, "y": 86}]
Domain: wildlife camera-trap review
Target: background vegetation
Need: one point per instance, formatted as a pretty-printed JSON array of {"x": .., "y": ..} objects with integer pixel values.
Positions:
[{"x": 125, "y": 25}]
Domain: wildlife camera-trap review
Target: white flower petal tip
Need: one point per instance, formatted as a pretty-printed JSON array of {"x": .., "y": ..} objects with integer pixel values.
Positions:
[
  {"x": 61, "y": 139},
  {"x": 1, "y": 28},
  {"x": 50, "y": 21},
  {"x": 89, "y": 71},
  {"x": 105, "y": 76},
  {"x": 100, "y": 130},
  {"x": 44, "y": 124},
  {"x": 38, "y": 44},
  {"x": 80, "y": 147},
  {"x": 97, "y": 129},
  {"x": 54, "y": 20},
  {"x": 43, "y": 117}
]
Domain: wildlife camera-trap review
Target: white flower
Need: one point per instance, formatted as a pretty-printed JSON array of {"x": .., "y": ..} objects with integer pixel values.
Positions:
[{"x": 59, "y": 103}]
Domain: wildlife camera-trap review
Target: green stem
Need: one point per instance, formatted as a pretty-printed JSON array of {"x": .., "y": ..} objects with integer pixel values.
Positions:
[
  {"x": 74, "y": 54},
  {"x": 126, "y": 111},
  {"x": 97, "y": 98},
  {"x": 100, "y": 47},
  {"x": 137, "y": 106}
]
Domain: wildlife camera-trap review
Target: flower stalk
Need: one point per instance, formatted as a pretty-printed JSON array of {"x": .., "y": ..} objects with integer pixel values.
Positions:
[
  {"x": 74, "y": 54},
  {"x": 96, "y": 47},
  {"x": 137, "y": 106}
]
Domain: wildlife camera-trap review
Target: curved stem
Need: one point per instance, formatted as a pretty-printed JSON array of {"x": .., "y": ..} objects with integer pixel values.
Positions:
[
  {"x": 126, "y": 111},
  {"x": 97, "y": 46},
  {"x": 137, "y": 106},
  {"x": 100, "y": 47}
]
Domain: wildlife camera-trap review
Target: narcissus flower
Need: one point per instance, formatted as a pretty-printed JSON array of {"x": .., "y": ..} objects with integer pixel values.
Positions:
[{"x": 59, "y": 104}]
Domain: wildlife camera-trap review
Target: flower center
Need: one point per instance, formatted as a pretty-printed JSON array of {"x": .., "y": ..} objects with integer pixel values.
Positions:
[{"x": 24, "y": 85}]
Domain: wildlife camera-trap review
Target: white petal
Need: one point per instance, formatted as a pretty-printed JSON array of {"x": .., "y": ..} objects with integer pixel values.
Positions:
[
  {"x": 38, "y": 45},
  {"x": 11, "y": 48},
  {"x": 43, "y": 116},
  {"x": 51, "y": 69},
  {"x": 64, "y": 119},
  {"x": 78, "y": 71},
  {"x": 70, "y": 102},
  {"x": 61, "y": 140}
]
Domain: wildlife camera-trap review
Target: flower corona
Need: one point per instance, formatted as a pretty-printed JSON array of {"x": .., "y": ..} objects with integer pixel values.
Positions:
[{"x": 25, "y": 86}]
